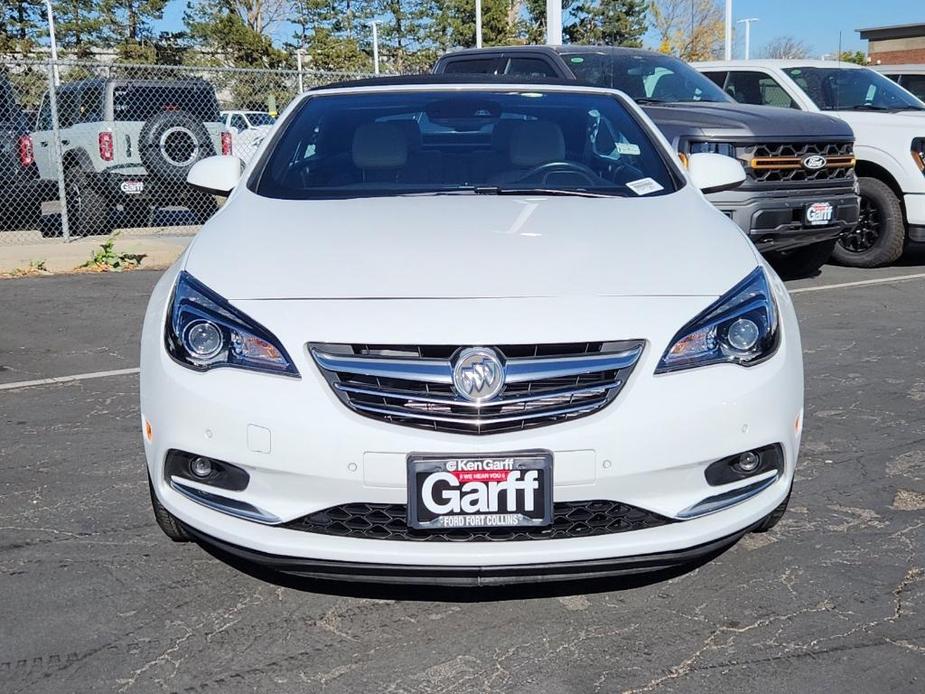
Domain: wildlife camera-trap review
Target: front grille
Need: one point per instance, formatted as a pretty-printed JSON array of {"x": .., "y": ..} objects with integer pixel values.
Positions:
[
  {"x": 412, "y": 385},
  {"x": 389, "y": 522},
  {"x": 783, "y": 162}
]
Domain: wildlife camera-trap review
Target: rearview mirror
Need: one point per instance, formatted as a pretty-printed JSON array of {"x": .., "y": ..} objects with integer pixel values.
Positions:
[
  {"x": 217, "y": 175},
  {"x": 714, "y": 172}
]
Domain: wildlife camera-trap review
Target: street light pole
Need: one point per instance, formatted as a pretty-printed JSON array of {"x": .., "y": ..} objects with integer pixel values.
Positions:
[
  {"x": 53, "y": 41},
  {"x": 375, "y": 47},
  {"x": 553, "y": 22},
  {"x": 478, "y": 23},
  {"x": 748, "y": 33},
  {"x": 727, "y": 53}
]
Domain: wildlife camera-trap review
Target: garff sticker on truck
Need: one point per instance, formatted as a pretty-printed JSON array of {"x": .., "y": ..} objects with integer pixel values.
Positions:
[{"x": 644, "y": 186}]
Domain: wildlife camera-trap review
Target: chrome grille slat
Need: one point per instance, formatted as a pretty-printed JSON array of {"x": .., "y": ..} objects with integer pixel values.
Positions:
[
  {"x": 412, "y": 397},
  {"x": 388, "y": 383}
]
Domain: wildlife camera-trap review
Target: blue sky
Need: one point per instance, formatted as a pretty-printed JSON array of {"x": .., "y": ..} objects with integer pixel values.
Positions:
[{"x": 816, "y": 22}]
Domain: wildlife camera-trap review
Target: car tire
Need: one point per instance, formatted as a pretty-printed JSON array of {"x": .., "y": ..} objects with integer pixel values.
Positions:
[
  {"x": 166, "y": 520},
  {"x": 87, "y": 208},
  {"x": 802, "y": 262},
  {"x": 880, "y": 234},
  {"x": 773, "y": 518}
]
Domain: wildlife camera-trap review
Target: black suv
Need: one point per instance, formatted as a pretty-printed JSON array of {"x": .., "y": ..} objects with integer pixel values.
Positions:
[{"x": 800, "y": 193}]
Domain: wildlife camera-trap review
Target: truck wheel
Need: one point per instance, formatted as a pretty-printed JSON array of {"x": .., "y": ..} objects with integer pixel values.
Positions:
[
  {"x": 802, "y": 262},
  {"x": 773, "y": 518},
  {"x": 166, "y": 520},
  {"x": 879, "y": 236},
  {"x": 87, "y": 208}
]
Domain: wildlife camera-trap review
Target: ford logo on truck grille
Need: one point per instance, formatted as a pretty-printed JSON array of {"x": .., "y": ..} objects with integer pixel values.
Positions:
[
  {"x": 478, "y": 374},
  {"x": 814, "y": 162}
]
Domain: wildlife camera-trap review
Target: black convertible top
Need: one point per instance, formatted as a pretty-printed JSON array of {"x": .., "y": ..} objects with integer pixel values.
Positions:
[{"x": 451, "y": 78}]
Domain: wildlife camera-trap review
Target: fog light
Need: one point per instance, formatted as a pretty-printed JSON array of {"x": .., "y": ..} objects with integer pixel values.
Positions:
[
  {"x": 200, "y": 467},
  {"x": 743, "y": 334},
  {"x": 748, "y": 462}
]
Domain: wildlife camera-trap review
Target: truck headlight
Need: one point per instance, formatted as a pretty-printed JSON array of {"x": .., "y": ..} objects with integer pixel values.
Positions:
[
  {"x": 725, "y": 148},
  {"x": 918, "y": 153}
]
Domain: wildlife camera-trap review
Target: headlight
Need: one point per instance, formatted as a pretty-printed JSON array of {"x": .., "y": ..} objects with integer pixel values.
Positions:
[
  {"x": 739, "y": 328},
  {"x": 918, "y": 152},
  {"x": 726, "y": 148},
  {"x": 205, "y": 332}
]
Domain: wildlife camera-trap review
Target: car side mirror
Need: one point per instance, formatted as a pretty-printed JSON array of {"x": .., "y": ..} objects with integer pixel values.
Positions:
[
  {"x": 714, "y": 172},
  {"x": 217, "y": 175}
]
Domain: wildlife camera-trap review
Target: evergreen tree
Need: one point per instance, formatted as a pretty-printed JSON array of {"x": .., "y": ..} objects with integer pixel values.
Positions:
[
  {"x": 79, "y": 27},
  {"x": 21, "y": 25},
  {"x": 609, "y": 22}
]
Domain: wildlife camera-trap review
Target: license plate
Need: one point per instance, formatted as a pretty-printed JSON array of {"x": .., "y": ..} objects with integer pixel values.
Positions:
[
  {"x": 819, "y": 213},
  {"x": 506, "y": 490},
  {"x": 132, "y": 187}
]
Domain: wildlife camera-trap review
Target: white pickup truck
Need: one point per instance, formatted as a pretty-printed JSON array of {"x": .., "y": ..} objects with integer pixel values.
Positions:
[{"x": 889, "y": 130}]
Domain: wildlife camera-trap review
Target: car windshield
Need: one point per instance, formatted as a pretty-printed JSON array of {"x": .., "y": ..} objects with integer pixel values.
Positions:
[
  {"x": 647, "y": 77},
  {"x": 846, "y": 89},
  {"x": 260, "y": 118},
  {"x": 453, "y": 142}
]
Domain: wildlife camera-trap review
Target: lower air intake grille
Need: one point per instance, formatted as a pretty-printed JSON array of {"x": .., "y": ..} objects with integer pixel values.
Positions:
[
  {"x": 388, "y": 522},
  {"x": 413, "y": 385}
]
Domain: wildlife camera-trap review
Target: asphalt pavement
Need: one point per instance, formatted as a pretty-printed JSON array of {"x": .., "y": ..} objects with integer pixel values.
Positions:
[{"x": 93, "y": 597}]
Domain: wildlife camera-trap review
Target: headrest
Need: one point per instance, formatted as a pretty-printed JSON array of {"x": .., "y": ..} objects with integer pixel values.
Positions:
[
  {"x": 412, "y": 132},
  {"x": 536, "y": 142},
  {"x": 379, "y": 146}
]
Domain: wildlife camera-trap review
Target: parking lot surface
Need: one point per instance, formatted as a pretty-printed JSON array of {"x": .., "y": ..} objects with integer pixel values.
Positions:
[{"x": 95, "y": 598}]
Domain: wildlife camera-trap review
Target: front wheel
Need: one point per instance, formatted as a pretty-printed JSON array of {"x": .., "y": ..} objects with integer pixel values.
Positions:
[
  {"x": 802, "y": 262},
  {"x": 166, "y": 520},
  {"x": 880, "y": 234},
  {"x": 773, "y": 518}
]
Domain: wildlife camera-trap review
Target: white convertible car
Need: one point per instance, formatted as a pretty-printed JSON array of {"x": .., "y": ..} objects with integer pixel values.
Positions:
[{"x": 453, "y": 332}]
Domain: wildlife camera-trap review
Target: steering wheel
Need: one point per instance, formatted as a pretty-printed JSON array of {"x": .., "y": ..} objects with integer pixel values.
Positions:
[{"x": 543, "y": 171}]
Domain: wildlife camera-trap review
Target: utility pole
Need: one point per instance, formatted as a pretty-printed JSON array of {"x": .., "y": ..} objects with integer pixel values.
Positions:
[
  {"x": 298, "y": 59},
  {"x": 478, "y": 23},
  {"x": 727, "y": 53},
  {"x": 553, "y": 22},
  {"x": 375, "y": 47},
  {"x": 748, "y": 32}
]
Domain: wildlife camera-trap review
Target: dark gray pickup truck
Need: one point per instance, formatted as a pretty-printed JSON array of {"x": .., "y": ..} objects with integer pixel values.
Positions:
[{"x": 800, "y": 193}]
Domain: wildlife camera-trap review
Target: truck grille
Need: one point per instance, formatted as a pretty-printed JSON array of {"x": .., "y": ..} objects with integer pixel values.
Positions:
[
  {"x": 783, "y": 162},
  {"x": 412, "y": 385},
  {"x": 389, "y": 522}
]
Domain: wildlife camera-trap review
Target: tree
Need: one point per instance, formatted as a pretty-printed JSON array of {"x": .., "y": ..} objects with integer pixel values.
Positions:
[
  {"x": 79, "y": 27},
  {"x": 608, "y": 22},
  {"x": 784, "y": 47},
  {"x": 453, "y": 23},
  {"x": 20, "y": 25},
  {"x": 334, "y": 33},
  {"x": 129, "y": 28},
  {"x": 237, "y": 30},
  {"x": 857, "y": 57},
  {"x": 689, "y": 29}
]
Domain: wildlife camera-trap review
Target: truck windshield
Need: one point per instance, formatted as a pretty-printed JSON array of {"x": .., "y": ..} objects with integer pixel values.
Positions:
[
  {"x": 852, "y": 89},
  {"x": 139, "y": 102},
  {"x": 437, "y": 142},
  {"x": 648, "y": 78}
]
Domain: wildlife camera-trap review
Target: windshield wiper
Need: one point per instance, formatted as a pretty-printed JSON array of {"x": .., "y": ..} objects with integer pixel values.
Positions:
[
  {"x": 867, "y": 107},
  {"x": 648, "y": 100},
  {"x": 576, "y": 192}
]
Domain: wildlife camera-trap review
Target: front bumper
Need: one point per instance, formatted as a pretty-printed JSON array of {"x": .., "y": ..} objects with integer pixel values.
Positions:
[
  {"x": 501, "y": 574},
  {"x": 305, "y": 451},
  {"x": 775, "y": 220}
]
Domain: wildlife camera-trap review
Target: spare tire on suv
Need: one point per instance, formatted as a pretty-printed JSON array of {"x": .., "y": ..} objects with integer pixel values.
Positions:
[{"x": 171, "y": 142}]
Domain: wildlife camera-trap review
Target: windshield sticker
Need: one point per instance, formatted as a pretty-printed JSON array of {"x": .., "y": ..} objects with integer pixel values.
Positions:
[
  {"x": 644, "y": 186},
  {"x": 577, "y": 59},
  {"x": 628, "y": 148}
]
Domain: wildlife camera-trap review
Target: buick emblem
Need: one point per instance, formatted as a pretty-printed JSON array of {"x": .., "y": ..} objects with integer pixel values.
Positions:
[
  {"x": 478, "y": 374},
  {"x": 814, "y": 162}
]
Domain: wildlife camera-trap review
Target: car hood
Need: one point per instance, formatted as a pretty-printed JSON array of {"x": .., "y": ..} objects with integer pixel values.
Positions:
[
  {"x": 742, "y": 121},
  {"x": 469, "y": 246},
  {"x": 913, "y": 121}
]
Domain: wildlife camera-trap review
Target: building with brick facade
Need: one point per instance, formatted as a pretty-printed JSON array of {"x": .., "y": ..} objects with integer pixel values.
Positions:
[{"x": 893, "y": 45}]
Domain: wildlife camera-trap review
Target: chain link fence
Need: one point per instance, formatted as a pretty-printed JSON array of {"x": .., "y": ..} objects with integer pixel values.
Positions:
[{"x": 110, "y": 147}]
